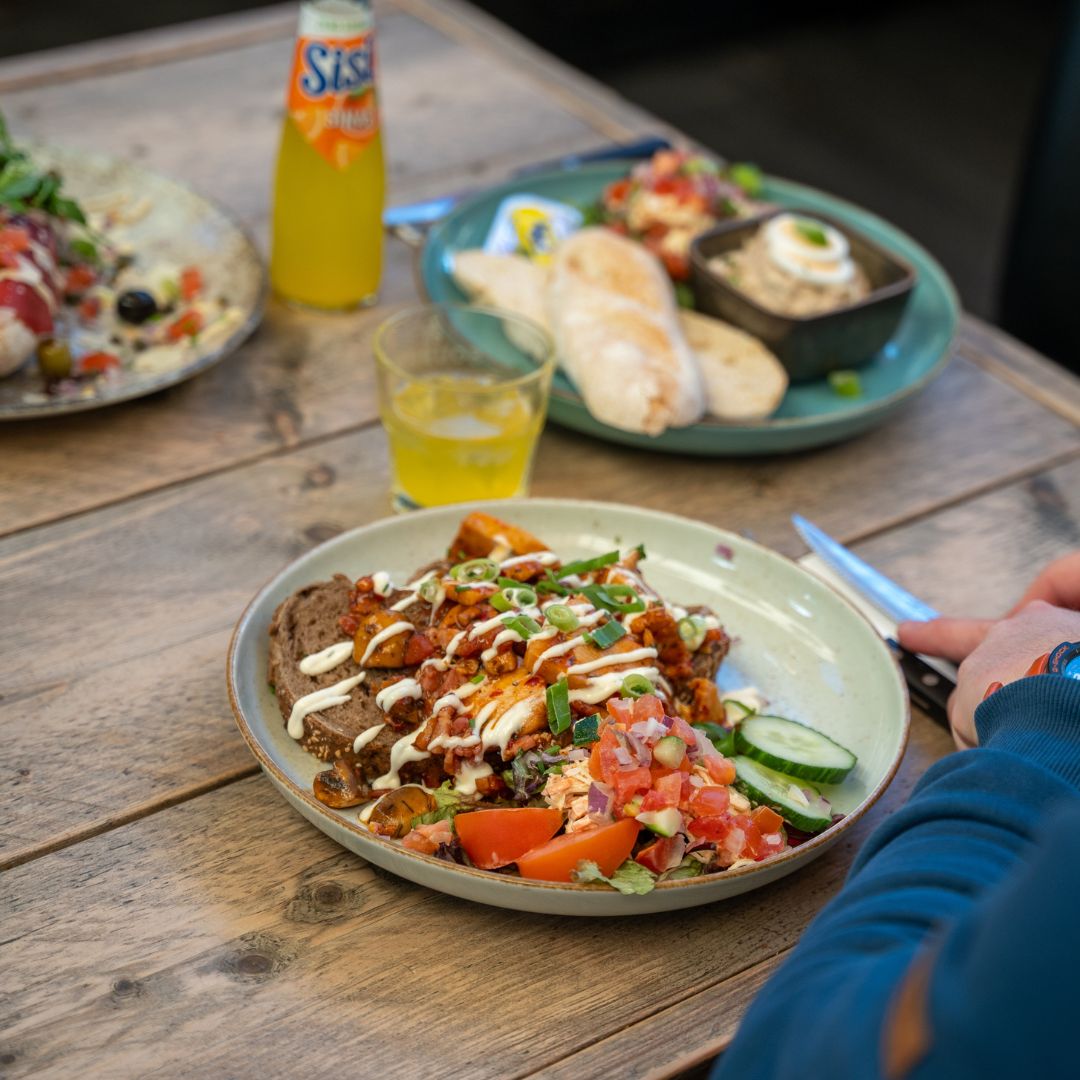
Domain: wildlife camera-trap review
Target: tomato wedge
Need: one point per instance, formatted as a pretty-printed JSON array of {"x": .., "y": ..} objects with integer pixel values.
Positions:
[
  {"x": 494, "y": 838},
  {"x": 608, "y": 846}
]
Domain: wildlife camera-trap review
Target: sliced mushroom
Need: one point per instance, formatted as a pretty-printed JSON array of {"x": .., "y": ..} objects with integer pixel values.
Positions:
[
  {"x": 394, "y": 813},
  {"x": 339, "y": 786}
]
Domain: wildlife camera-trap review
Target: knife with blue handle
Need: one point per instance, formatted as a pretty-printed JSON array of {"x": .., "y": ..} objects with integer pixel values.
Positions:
[
  {"x": 419, "y": 215},
  {"x": 929, "y": 688}
]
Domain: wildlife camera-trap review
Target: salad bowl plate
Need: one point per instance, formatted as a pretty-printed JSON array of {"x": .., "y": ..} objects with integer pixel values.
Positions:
[
  {"x": 172, "y": 226},
  {"x": 812, "y": 413},
  {"x": 812, "y": 655}
]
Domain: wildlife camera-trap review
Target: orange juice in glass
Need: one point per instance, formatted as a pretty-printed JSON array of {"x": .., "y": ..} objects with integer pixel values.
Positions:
[{"x": 463, "y": 393}]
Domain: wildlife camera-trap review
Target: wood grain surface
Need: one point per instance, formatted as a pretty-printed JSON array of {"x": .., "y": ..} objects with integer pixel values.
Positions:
[
  {"x": 164, "y": 911},
  {"x": 158, "y": 581},
  {"x": 131, "y": 947},
  {"x": 304, "y": 375}
]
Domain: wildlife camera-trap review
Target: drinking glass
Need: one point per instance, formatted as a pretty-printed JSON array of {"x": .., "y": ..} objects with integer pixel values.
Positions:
[{"x": 463, "y": 392}]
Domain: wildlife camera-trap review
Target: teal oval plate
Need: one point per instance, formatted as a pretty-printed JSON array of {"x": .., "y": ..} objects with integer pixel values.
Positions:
[{"x": 811, "y": 414}]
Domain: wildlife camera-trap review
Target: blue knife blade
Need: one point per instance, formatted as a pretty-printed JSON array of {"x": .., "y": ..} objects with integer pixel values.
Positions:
[
  {"x": 896, "y": 602},
  {"x": 428, "y": 211},
  {"x": 929, "y": 687}
]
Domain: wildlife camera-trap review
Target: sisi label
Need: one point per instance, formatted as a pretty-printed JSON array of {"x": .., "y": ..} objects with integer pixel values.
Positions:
[{"x": 332, "y": 95}]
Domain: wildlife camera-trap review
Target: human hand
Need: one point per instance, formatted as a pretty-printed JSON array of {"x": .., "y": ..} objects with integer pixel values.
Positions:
[
  {"x": 1057, "y": 584},
  {"x": 1008, "y": 648}
]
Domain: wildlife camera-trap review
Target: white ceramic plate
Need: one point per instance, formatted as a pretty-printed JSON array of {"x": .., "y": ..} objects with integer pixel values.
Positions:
[
  {"x": 181, "y": 228},
  {"x": 814, "y": 657}
]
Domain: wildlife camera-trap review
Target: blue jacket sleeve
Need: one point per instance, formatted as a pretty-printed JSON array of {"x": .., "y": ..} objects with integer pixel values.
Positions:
[{"x": 935, "y": 869}]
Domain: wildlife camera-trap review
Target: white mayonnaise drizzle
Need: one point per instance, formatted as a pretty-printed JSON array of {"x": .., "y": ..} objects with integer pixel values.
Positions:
[
  {"x": 544, "y": 558},
  {"x": 406, "y": 601},
  {"x": 455, "y": 641},
  {"x": 365, "y": 737},
  {"x": 327, "y": 659},
  {"x": 501, "y": 548},
  {"x": 449, "y": 742},
  {"x": 602, "y": 687},
  {"x": 468, "y": 774},
  {"x": 561, "y": 649},
  {"x": 402, "y": 690},
  {"x": 631, "y": 655},
  {"x": 325, "y": 698},
  {"x": 500, "y": 639},
  {"x": 448, "y": 701},
  {"x": 389, "y": 632},
  {"x": 401, "y": 753},
  {"x": 499, "y": 732}
]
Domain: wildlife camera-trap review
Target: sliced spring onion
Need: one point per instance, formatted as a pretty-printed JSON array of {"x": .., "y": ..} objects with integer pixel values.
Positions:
[
  {"x": 475, "y": 570},
  {"x": 587, "y": 731},
  {"x": 692, "y": 631},
  {"x": 607, "y": 597},
  {"x": 508, "y": 583},
  {"x": 550, "y": 584},
  {"x": 845, "y": 383},
  {"x": 478, "y": 678},
  {"x": 558, "y": 706},
  {"x": 561, "y": 617},
  {"x": 584, "y": 566},
  {"x": 636, "y": 685},
  {"x": 603, "y": 637},
  {"x": 811, "y": 232},
  {"x": 522, "y": 625},
  {"x": 518, "y": 597},
  {"x": 642, "y": 553},
  {"x": 622, "y": 598},
  {"x": 430, "y": 589}
]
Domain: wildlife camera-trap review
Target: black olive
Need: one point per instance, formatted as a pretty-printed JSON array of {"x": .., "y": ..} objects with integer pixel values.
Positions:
[{"x": 136, "y": 306}]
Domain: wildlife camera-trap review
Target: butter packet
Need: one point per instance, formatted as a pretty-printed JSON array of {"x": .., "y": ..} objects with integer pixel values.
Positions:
[{"x": 530, "y": 225}]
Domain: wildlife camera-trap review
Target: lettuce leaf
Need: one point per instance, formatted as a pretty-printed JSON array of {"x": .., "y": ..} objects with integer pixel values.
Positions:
[
  {"x": 447, "y": 804},
  {"x": 630, "y": 879}
]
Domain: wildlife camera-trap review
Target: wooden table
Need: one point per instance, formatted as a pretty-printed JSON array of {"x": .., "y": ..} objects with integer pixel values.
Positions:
[{"x": 162, "y": 909}]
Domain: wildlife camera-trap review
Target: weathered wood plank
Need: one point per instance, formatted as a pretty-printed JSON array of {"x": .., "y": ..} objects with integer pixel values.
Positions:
[
  {"x": 646, "y": 1050},
  {"x": 1014, "y": 363},
  {"x": 146, "y": 48},
  {"x": 160, "y": 116},
  {"x": 304, "y": 375},
  {"x": 141, "y": 594},
  {"x": 993, "y": 544},
  {"x": 124, "y": 953}
]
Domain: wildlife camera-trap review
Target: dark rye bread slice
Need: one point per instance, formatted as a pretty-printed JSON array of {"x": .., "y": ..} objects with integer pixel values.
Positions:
[{"x": 303, "y": 624}]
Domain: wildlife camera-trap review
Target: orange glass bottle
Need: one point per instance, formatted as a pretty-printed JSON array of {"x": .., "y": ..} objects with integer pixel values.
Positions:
[{"x": 326, "y": 250}]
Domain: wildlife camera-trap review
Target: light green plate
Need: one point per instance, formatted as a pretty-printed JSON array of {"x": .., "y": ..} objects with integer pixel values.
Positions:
[
  {"x": 811, "y": 413},
  {"x": 815, "y": 658}
]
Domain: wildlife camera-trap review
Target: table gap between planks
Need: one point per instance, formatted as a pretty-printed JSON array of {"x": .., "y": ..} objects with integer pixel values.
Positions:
[{"x": 153, "y": 881}]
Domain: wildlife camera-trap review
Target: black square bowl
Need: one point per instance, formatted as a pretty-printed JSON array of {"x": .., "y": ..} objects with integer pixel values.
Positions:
[{"x": 809, "y": 346}]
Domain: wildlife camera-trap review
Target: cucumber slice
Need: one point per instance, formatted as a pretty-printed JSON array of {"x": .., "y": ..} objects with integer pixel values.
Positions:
[
  {"x": 662, "y": 822},
  {"x": 793, "y": 748},
  {"x": 670, "y": 751},
  {"x": 736, "y": 711},
  {"x": 788, "y": 797}
]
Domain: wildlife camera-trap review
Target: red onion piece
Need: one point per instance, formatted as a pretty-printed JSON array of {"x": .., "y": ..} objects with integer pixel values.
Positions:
[
  {"x": 600, "y": 799},
  {"x": 648, "y": 730},
  {"x": 676, "y": 851}
]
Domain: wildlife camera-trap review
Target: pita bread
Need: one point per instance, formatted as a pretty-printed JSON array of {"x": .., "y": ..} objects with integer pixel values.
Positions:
[
  {"x": 743, "y": 379},
  {"x": 617, "y": 334}
]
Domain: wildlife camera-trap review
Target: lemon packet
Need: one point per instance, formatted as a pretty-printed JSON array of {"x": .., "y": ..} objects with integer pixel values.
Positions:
[{"x": 531, "y": 225}]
